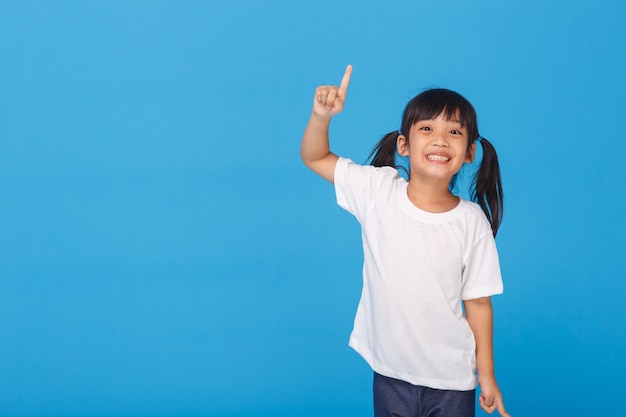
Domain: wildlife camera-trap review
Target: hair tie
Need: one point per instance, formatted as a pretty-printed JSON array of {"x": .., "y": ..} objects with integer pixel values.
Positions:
[
  {"x": 399, "y": 131},
  {"x": 479, "y": 138}
]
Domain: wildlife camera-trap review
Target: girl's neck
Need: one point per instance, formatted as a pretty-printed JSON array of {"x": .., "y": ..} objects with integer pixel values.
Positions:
[{"x": 431, "y": 197}]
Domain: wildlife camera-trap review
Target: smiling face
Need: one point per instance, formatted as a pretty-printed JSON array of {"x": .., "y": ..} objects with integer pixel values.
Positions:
[{"x": 437, "y": 148}]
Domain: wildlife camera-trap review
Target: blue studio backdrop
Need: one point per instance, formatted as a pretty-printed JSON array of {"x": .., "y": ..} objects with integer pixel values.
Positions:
[{"x": 164, "y": 252}]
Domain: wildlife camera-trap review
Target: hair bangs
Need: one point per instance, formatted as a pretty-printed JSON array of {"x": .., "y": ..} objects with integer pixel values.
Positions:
[{"x": 431, "y": 103}]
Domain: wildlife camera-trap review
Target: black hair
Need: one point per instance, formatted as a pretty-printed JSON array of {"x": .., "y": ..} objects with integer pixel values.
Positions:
[{"x": 486, "y": 188}]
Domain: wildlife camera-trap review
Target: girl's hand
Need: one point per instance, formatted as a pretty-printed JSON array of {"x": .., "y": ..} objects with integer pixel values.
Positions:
[
  {"x": 490, "y": 397},
  {"x": 329, "y": 99}
]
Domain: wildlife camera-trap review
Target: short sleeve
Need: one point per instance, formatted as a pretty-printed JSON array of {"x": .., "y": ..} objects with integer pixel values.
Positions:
[
  {"x": 481, "y": 274},
  {"x": 354, "y": 186}
]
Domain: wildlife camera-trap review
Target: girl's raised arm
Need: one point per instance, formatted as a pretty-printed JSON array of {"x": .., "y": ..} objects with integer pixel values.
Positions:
[{"x": 315, "y": 149}]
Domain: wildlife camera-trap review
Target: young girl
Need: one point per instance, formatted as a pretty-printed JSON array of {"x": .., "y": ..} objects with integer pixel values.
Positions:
[{"x": 424, "y": 321}]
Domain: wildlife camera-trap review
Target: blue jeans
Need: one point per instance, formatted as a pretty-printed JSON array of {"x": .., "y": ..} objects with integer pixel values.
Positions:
[{"x": 396, "y": 398}]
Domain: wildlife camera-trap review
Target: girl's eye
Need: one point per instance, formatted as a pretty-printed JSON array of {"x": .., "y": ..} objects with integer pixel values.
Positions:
[
  {"x": 455, "y": 132},
  {"x": 425, "y": 128}
]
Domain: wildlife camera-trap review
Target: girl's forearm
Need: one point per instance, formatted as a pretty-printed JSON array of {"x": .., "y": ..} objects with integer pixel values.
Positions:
[
  {"x": 479, "y": 315},
  {"x": 480, "y": 318},
  {"x": 315, "y": 144},
  {"x": 315, "y": 149}
]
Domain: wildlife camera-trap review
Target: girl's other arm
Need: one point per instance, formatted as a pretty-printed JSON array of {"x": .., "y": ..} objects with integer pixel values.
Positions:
[
  {"x": 479, "y": 315},
  {"x": 315, "y": 149}
]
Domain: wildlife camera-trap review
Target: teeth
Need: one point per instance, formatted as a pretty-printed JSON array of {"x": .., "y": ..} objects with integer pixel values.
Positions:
[{"x": 437, "y": 158}]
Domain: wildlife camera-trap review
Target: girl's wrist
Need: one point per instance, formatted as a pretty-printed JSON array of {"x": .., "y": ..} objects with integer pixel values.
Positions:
[
  {"x": 486, "y": 377},
  {"x": 321, "y": 118}
]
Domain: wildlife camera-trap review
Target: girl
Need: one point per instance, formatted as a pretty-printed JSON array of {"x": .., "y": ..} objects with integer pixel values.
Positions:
[{"x": 424, "y": 321}]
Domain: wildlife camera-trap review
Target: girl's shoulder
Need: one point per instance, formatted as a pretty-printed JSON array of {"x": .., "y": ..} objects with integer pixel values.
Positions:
[
  {"x": 386, "y": 173},
  {"x": 360, "y": 187},
  {"x": 476, "y": 217},
  {"x": 471, "y": 207}
]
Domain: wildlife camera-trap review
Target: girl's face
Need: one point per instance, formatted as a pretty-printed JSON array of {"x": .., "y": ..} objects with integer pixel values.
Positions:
[{"x": 437, "y": 149}]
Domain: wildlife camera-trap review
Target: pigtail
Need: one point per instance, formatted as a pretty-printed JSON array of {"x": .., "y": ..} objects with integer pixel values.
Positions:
[
  {"x": 487, "y": 190},
  {"x": 384, "y": 153}
]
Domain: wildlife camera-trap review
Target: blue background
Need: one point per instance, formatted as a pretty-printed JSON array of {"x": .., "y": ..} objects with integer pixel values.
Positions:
[{"x": 164, "y": 252}]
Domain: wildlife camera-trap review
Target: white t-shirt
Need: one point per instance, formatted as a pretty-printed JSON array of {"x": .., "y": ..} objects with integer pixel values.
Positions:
[{"x": 418, "y": 267}]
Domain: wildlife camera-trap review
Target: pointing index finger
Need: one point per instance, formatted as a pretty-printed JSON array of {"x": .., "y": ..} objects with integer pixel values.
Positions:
[{"x": 346, "y": 79}]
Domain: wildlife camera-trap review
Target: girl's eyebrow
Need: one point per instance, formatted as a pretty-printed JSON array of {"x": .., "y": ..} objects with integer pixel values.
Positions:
[{"x": 456, "y": 121}]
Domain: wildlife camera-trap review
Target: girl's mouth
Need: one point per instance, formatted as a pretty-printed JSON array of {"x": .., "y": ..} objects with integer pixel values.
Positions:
[{"x": 437, "y": 158}]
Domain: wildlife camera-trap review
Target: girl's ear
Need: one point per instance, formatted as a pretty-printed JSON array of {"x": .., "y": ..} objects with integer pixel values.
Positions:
[
  {"x": 403, "y": 145},
  {"x": 471, "y": 153}
]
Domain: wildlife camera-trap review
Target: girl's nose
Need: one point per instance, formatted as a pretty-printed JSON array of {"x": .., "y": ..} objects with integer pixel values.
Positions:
[{"x": 441, "y": 139}]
